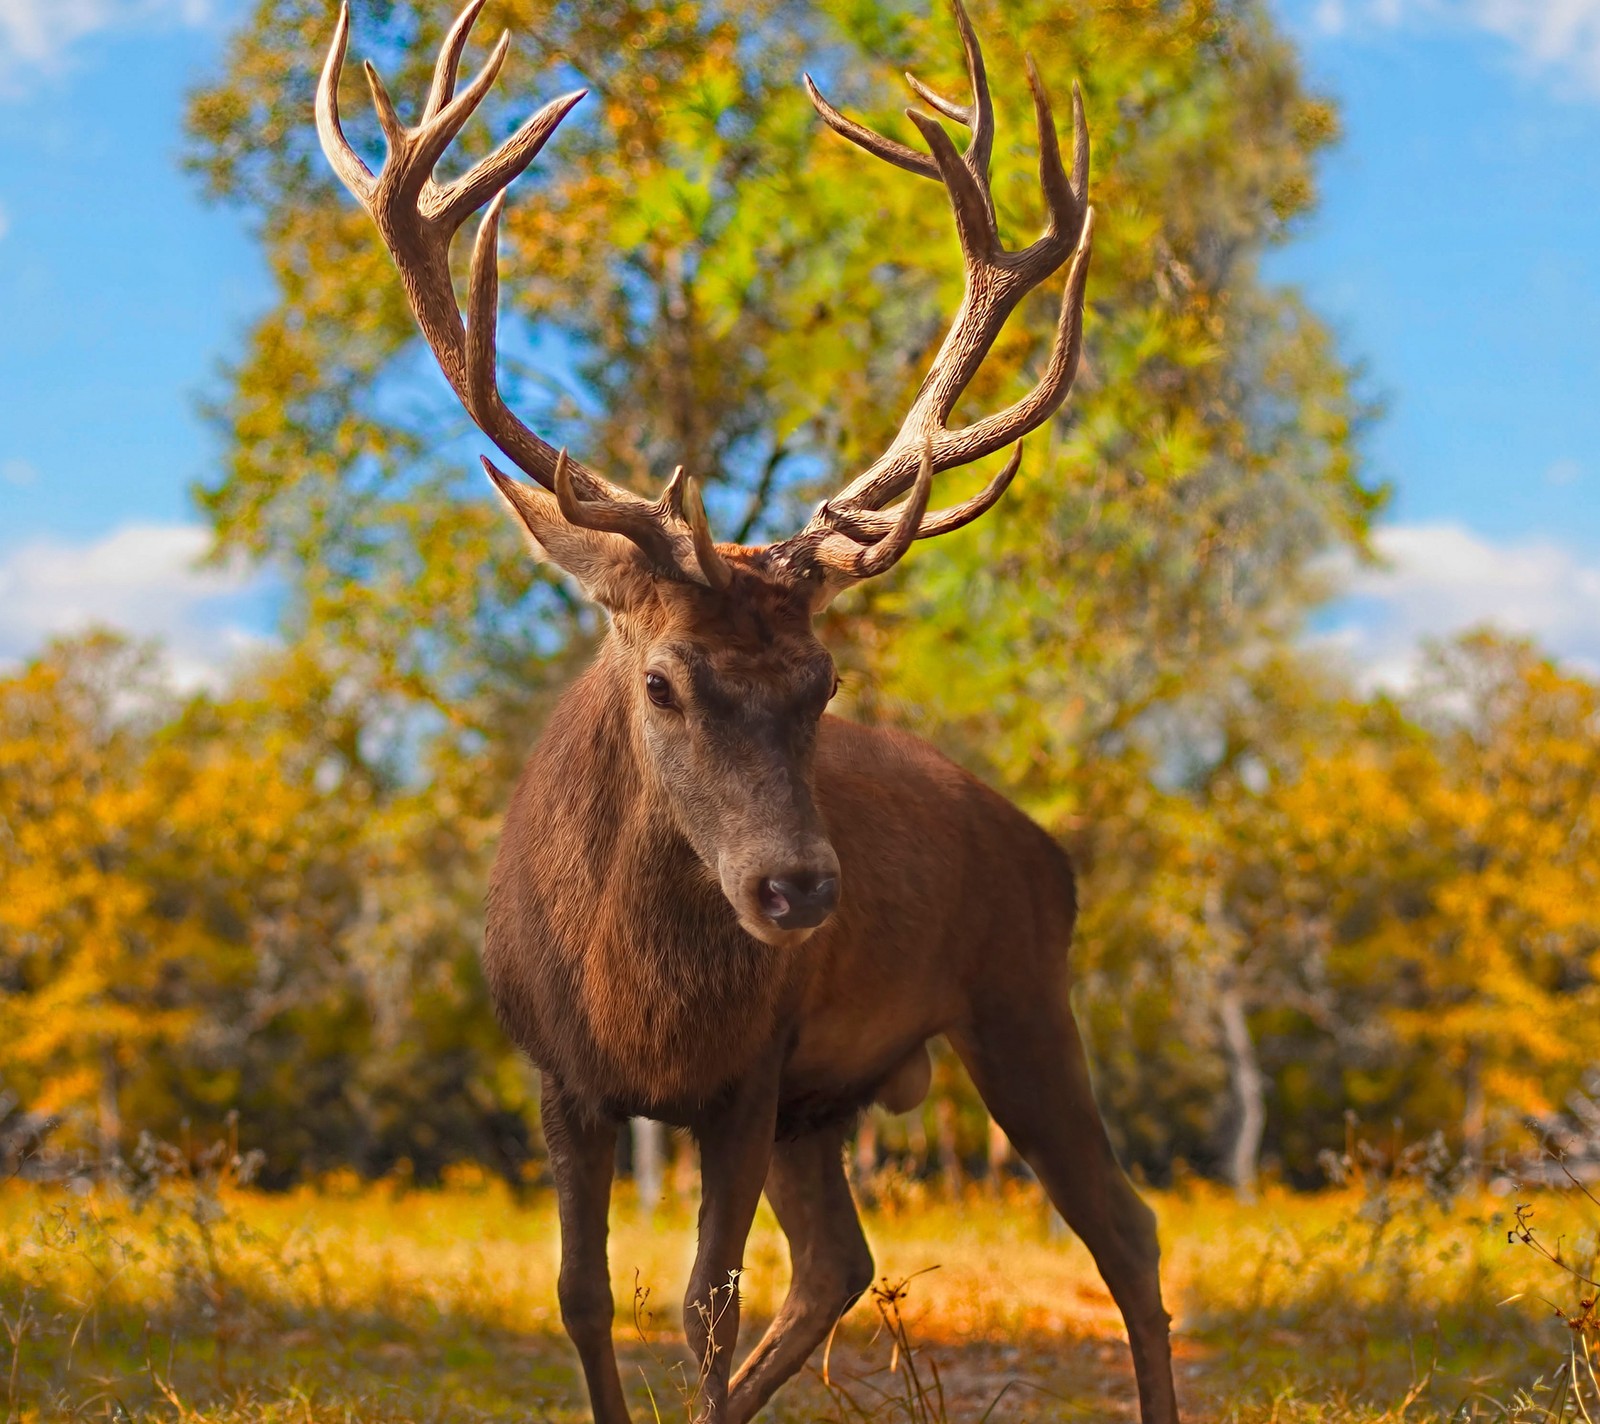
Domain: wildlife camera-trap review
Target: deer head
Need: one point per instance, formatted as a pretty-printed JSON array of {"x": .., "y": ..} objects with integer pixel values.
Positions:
[{"x": 725, "y": 682}]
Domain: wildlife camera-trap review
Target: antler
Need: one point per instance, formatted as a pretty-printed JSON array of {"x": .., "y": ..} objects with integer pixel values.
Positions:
[
  {"x": 418, "y": 218},
  {"x": 996, "y": 281}
]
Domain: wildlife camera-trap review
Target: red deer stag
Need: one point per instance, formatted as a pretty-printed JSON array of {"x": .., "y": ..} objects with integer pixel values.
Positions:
[{"x": 714, "y": 905}]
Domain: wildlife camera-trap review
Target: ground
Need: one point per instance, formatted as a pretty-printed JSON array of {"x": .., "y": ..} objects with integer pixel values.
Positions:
[{"x": 201, "y": 1301}]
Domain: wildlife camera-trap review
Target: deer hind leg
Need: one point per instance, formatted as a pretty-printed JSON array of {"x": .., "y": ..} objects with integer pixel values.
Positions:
[
  {"x": 830, "y": 1263},
  {"x": 582, "y": 1156},
  {"x": 1027, "y": 1060}
]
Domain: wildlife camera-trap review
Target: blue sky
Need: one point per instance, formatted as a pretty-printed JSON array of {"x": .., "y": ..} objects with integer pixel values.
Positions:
[{"x": 1456, "y": 254}]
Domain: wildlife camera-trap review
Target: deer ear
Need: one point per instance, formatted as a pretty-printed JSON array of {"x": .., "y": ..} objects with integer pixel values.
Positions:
[{"x": 611, "y": 570}]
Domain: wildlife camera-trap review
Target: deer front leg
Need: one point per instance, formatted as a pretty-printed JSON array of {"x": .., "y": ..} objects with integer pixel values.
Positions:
[
  {"x": 831, "y": 1265},
  {"x": 735, "y": 1150},
  {"x": 582, "y": 1155}
]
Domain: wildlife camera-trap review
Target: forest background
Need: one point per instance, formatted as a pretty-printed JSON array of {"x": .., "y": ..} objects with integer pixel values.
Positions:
[{"x": 1303, "y": 900}]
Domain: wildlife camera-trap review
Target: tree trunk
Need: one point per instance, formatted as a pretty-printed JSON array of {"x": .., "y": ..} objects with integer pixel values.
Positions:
[
  {"x": 1475, "y": 1114},
  {"x": 949, "y": 1155},
  {"x": 648, "y": 1155},
  {"x": 1249, "y": 1090},
  {"x": 109, "y": 1116},
  {"x": 866, "y": 1150},
  {"x": 999, "y": 1155},
  {"x": 917, "y": 1142}
]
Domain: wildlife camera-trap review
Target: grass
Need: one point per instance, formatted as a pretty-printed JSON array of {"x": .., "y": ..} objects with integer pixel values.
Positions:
[{"x": 189, "y": 1297}]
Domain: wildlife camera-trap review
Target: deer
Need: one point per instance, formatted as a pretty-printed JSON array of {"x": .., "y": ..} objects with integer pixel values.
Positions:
[{"x": 714, "y": 904}]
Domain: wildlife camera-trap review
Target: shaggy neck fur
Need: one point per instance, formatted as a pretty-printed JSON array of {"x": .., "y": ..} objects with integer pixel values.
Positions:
[{"x": 615, "y": 960}]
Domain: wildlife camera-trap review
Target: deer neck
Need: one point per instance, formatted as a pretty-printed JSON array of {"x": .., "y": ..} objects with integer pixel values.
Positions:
[
  {"x": 630, "y": 916},
  {"x": 639, "y": 881}
]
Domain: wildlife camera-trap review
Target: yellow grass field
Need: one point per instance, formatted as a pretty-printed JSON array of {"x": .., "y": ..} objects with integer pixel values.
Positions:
[{"x": 355, "y": 1302}]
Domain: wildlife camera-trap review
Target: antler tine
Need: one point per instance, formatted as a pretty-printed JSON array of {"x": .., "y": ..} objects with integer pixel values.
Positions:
[
  {"x": 982, "y": 121},
  {"x": 417, "y": 218},
  {"x": 956, "y": 113},
  {"x": 672, "y": 495},
  {"x": 1080, "y": 145},
  {"x": 863, "y": 137},
  {"x": 482, "y": 330},
  {"x": 346, "y": 162},
  {"x": 633, "y": 521},
  {"x": 499, "y": 169},
  {"x": 436, "y": 134},
  {"x": 978, "y": 116},
  {"x": 481, "y": 393},
  {"x": 642, "y": 523},
  {"x": 712, "y": 564},
  {"x": 847, "y": 562},
  {"x": 480, "y": 387},
  {"x": 1063, "y": 199},
  {"x": 394, "y": 132},
  {"x": 448, "y": 64},
  {"x": 969, "y": 195},
  {"x": 869, "y": 525}
]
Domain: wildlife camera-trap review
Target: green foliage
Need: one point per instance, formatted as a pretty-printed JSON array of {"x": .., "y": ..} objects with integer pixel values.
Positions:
[
  {"x": 1297, "y": 901},
  {"x": 704, "y": 274}
]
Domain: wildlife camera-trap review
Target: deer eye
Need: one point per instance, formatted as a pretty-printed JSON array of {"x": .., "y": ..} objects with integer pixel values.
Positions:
[{"x": 658, "y": 689}]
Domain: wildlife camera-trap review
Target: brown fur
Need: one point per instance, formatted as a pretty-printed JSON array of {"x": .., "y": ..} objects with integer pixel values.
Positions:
[{"x": 619, "y": 963}]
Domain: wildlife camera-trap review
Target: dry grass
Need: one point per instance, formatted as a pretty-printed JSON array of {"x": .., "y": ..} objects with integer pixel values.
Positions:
[{"x": 198, "y": 1300}]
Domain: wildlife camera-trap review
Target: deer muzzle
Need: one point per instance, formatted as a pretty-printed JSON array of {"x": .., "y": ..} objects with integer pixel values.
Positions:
[
  {"x": 798, "y": 900},
  {"x": 781, "y": 898}
]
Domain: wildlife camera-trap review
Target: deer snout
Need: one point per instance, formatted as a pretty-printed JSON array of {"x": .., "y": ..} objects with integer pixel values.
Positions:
[
  {"x": 799, "y": 899},
  {"x": 782, "y": 893}
]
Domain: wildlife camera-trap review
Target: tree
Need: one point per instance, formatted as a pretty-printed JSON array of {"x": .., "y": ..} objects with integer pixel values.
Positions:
[
  {"x": 1404, "y": 895},
  {"x": 237, "y": 903},
  {"x": 1499, "y": 979},
  {"x": 91, "y": 975},
  {"x": 1208, "y": 453},
  {"x": 702, "y": 273},
  {"x": 705, "y": 275}
]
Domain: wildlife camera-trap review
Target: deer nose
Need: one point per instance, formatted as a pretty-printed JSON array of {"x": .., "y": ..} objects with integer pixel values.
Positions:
[{"x": 799, "y": 900}]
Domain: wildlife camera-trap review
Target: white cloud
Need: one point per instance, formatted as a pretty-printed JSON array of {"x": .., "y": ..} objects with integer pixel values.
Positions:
[
  {"x": 5, "y": 221},
  {"x": 1443, "y": 578},
  {"x": 38, "y": 35},
  {"x": 143, "y": 579},
  {"x": 19, "y": 474},
  {"x": 1559, "y": 37}
]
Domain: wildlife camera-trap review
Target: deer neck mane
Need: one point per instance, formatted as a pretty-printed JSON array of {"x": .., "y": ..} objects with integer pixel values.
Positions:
[{"x": 621, "y": 913}]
